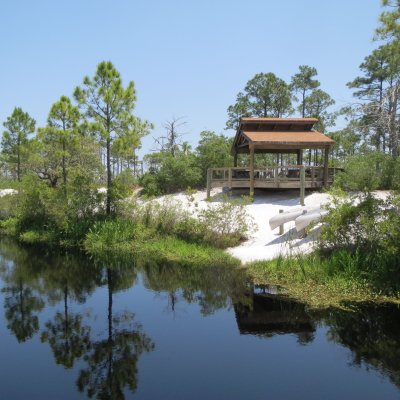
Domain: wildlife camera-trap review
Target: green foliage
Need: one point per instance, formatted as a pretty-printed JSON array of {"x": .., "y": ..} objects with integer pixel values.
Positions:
[
  {"x": 228, "y": 221},
  {"x": 7, "y": 206},
  {"x": 313, "y": 280},
  {"x": 109, "y": 106},
  {"x": 238, "y": 110},
  {"x": 150, "y": 184},
  {"x": 9, "y": 226},
  {"x": 221, "y": 225},
  {"x": 123, "y": 184},
  {"x": 371, "y": 171},
  {"x": 19, "y": 126},
  {"x": 170, "y": 250},
  {"x": 302, "y": 83},
  {"x": 128, "y": 238},
  {"x": 38, "y": 207},
  {"x": 363, "y": 235},
  {"x": 38, "y": 237},
  {"x": 265, "y": 95},
  {"x": 213, "y": 151},
  {"x": 174, "y": 173},
  {"x": 178, "y": 173},
  {"x": 113, "y": 236}
]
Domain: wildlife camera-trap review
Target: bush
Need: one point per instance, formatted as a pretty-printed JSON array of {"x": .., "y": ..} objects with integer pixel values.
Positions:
[
  {"x": 40, "y": 207},
  {"x": 220, "y": 225},
  {"x": 8, "y": 207},
  {"x": 370, "y": 172},
  {"x": 115, "y": 236},
  {"x": 228, "y": 222},
  {"x": 150, "y": 185},
  {"x": 173, "y": 174},
  {"x": 362, "y": 238},
  {"x": 123, "y": 185}
]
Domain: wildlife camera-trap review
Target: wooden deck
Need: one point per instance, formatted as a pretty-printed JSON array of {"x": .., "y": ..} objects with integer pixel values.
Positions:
[{"x": 287, "y": 177}]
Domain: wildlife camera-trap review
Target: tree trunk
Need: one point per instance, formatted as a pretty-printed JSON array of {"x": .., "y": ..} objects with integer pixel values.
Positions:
[
  {"x": 109, "y": 176},
  {"x": 64, "y": 170},
  {"x": 19, "y": 158},
  {"x": 394, "y": 139}
]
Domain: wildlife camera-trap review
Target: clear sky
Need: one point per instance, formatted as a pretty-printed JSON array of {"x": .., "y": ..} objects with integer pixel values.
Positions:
[{"x": 187, "y": 58}]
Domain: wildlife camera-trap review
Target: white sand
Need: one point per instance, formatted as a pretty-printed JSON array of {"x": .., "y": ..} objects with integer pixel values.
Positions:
[
  {"x": 5, "y": 192},
  {"x": 264, "y": 244}
]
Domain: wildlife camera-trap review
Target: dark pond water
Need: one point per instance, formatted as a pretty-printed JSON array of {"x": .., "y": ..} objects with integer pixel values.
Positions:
[{"x": 72, "y": 329}]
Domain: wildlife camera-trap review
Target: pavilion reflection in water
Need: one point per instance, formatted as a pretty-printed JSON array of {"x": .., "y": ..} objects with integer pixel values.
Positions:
[{"x": 267, "y": 314}]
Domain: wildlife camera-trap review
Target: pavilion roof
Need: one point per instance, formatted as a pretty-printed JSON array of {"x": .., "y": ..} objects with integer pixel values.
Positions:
[{"x": 278, "y": 134}]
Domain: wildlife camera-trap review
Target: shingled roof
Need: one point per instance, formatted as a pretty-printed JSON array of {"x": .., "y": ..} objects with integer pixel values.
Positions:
[{"x": 279, "y": 134}]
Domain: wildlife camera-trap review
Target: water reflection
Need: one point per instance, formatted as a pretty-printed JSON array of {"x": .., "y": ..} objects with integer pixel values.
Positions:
[
  {"x": 55, "y": 286},
  {"x": 372, "y": 333},
  {"x": 212, "y": 288},
  {"x": 22, "y": 302},
  {"x": 112, "y": 361},
  {"x": 268, "y": 314}
]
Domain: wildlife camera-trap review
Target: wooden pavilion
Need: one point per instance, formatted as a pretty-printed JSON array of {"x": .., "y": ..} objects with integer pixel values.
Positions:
[{"x": 275, "y": 136}]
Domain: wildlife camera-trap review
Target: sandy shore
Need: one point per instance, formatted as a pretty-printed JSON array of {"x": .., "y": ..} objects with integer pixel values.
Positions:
[{"x": 263, "y": 243}]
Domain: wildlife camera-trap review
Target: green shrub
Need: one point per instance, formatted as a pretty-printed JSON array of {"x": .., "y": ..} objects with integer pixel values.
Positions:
[
  {"x": 38, "y": 237},
  {"x": 361, "y": 173},
  {"x": 172, "y": 175},
  {"x": 8, "y": 207},
  {"x": 361, "y": 238},
  {"x": 116, "y": 235},
  {"x": 123, "y": 185},
  {"x": 221, "y": 225},
  {"x": 169, "y": 250},
  {"x": 9, "y": 226},
  {"x": 150, "y": 185},
  {"x": 228, "y": 222},
  {"x": 371, "y": 171}
]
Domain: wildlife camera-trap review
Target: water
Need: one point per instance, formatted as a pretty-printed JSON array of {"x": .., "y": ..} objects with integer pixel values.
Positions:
[{"x": 72, "y": 329}]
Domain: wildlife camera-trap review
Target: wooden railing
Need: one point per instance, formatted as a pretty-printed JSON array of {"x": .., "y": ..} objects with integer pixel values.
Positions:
[{"x": 232, "y": 176}]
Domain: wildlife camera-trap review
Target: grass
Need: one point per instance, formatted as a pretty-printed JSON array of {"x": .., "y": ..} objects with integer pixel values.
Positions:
[
  {"x": 319, "y": 282},
  {"x": 9, "y": 184},
  {"x": 127, "y": 238},
  {"x": 171, "y": 250}
]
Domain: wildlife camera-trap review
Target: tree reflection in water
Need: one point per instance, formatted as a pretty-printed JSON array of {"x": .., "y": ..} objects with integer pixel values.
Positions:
[
  {"x": 22, "y": 301},
  {"x": 68, "y": 277},
  {"x": 109, "y": 361},
  {"x": 20, "y": 304},
  {"x": 372, "y": 333},
  {"x": 213, "y": 288},
  {"x": 112, "y": 362}
]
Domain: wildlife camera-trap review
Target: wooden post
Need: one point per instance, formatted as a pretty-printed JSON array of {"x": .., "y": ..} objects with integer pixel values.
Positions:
[
  {"x": 312, "y": 170},
  {"x": 230, "y": 178},
  {"x": 251, "y": 169},
  {"x": 281, "y": 227},
  {"x": 302, "y": 184},
  {"x": 299, "y": 157},
  {"x": 326, "y": 159},
  {"x": 235, "y": 160},
  {"x": 209, "y": 175}
]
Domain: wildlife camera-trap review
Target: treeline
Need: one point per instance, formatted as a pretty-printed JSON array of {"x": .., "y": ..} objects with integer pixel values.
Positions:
[
  {"x": 369, "y": 145},
  {"x": 66, "y": 153},
  {"x": 95, "y": 137}
]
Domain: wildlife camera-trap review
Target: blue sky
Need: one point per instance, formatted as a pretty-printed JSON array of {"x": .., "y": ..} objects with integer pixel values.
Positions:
[{"x": 187, "y": 58}]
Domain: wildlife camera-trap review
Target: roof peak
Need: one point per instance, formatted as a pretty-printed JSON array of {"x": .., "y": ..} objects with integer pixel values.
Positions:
[{"x": 279, "y": 120}]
